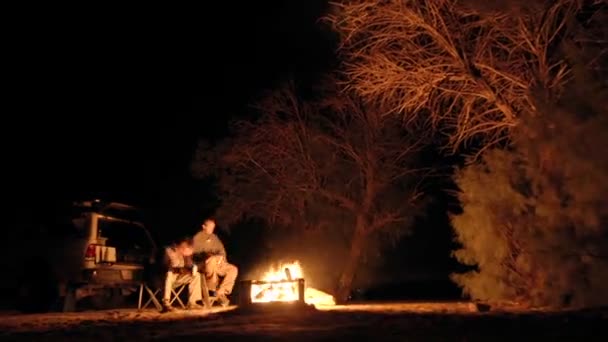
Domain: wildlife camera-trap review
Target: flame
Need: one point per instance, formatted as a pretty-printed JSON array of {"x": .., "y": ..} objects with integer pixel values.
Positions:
[
  {"x": 279, "y": 274},
  {"x": 281, "y": 285}
]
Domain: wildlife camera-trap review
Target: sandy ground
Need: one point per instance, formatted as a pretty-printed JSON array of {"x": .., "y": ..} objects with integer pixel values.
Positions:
[{"x": 373, "y": 322}]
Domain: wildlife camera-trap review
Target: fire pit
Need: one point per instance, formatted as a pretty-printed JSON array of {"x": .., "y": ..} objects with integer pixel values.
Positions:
[
  {"x": 281, "y": 288},
  {"x": 286, "y": 290}
]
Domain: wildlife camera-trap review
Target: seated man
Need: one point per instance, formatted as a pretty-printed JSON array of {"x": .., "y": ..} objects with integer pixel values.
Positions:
[
  {"x": 210, "y": 251},
  {"x": 180, "y": 270}
]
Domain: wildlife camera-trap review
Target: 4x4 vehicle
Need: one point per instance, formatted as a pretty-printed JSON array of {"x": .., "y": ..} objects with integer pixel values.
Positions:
[{"x": 99, "y": 251}]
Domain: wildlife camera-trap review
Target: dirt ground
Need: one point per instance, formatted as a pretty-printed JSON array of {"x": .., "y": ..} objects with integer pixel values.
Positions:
[{"x": 373, "y": 322}]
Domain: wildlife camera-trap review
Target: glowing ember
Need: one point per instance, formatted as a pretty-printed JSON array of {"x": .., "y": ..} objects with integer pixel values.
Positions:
[
  {"x": 316, "y": 297},
  {"x": 281, "y": 285}
]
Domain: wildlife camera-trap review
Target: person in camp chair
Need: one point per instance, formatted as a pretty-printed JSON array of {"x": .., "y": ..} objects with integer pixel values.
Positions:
[
  {"x": 209, "y": 251},
  {"x": 181, "y": 270}
]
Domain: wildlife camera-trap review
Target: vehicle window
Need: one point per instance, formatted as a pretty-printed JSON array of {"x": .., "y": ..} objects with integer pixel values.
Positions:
[
  {"x": 75, "y": 228},
  {"x": 129, "y": 215},
  {"x": 130, "y": 240}
]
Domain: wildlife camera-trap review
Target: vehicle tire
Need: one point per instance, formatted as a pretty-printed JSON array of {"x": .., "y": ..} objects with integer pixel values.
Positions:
[
  {"x": 108, "y": 299},
  {"x": 38, "y": 290},
  {"x": 69, "y": 301}
]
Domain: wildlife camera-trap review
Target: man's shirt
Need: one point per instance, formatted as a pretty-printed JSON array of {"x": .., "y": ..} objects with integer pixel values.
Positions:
[{"x": 208, "y": 245}]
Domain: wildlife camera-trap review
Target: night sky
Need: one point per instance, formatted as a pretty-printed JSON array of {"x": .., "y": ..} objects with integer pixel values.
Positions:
[
  {"x": 117, "y": 98},
  {"x": 121, "y": 95}
]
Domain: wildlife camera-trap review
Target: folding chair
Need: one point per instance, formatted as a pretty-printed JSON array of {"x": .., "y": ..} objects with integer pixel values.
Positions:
[
  {"x": 175, "y": 293},
  {"x": 207, "y": 299}
]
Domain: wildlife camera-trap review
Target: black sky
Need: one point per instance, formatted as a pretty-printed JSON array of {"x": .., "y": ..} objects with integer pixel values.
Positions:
[{"x": 113, "y": 99}]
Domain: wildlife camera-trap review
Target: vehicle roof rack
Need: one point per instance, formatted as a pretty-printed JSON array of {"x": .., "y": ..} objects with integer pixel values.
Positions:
[{"x": 98, "y": 204}]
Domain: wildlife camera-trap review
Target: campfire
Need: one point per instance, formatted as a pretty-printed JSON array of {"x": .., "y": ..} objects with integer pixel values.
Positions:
[{"x": 286, "y": 284}]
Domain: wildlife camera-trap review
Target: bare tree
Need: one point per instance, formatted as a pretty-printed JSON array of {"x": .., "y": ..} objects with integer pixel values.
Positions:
[
  {"x": 329, "y": 164},
  {"x": 468, "y": 72}
]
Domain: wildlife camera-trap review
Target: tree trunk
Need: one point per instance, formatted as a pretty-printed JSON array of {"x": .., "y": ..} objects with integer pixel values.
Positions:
[{"x": 356, "y": 250}]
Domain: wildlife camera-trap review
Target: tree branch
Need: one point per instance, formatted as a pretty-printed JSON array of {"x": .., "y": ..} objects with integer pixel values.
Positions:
[
  {"x": 344, "y": 201},
  {"x": 438, "y": 61},
  {"x": 380, "y": 221}
]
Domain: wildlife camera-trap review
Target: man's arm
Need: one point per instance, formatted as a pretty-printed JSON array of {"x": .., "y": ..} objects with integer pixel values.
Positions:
[
  {"x": 198, "y": 243},
  {"x": 188, "y": 261},
  {"x": 172, "y": 258},
  {"x": 198, "y": 248},
  {"x": 220, "y": 247}
]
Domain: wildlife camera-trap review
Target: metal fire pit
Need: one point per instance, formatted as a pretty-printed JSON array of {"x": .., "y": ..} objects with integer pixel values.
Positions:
[
  {"x": 247, "y": 298},
  {"x": 251, "y": 294}
]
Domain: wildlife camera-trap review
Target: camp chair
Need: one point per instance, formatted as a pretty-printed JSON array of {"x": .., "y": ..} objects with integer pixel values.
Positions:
[
  {"x": 175, "y": 293},
  {"x": 207, "y": 299},
  {"x": 153, "y": 299}
]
